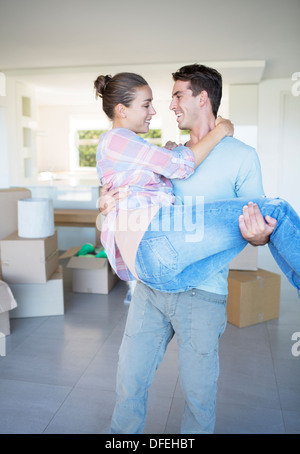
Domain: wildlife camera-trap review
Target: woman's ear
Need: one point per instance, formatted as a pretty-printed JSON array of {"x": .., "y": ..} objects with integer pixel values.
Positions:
[{"x": 120, "y": 110}]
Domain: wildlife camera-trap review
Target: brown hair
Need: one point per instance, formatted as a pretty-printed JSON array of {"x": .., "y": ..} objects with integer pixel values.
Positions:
[
  {"x": 119, "y": 89},
  {"x": 202, "y": 78}
]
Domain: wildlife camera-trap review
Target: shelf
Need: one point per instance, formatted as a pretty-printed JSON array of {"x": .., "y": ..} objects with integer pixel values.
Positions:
[{"x": 75, "y": 218}]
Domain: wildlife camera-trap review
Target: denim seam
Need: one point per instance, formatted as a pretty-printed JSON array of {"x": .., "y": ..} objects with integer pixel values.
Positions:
[
  {"x": 155, "y": 358},
  {"x": 142, "y": 263}
]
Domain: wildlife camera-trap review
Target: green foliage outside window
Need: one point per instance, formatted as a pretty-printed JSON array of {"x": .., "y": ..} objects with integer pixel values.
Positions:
[
  {"x": 87, "y": 155},
  {"x": 87, "y": 147},
  {"x": 88, "y": 142},
  {"x": 153, "y": 136}
]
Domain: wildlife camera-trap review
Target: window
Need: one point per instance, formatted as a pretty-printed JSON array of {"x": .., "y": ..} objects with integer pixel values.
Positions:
[
  {"x": 87, "y": 142},
  {"x": 184, "y": 136},
  {"x": 153, "y": 136}
]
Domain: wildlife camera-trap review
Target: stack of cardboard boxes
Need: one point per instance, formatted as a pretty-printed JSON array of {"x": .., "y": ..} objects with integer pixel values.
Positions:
[
  {"x": 253, "y": 293},
  {"x": 29, "y": 266}
]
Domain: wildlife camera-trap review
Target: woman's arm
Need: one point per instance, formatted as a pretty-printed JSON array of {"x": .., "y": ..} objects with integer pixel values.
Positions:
[{"x": 202, "y": 149}]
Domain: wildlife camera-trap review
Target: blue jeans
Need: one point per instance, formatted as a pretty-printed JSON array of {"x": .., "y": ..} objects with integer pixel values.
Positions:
[
  {"x": 198, "y": 319},
  {"x": 185, "y": 245}
]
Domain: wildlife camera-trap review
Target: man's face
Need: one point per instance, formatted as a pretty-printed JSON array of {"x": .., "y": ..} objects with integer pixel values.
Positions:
[{"x": 185, "y": 106}]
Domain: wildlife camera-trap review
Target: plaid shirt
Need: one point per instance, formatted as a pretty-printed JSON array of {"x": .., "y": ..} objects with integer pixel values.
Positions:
[{"x": 125, "y": 159}]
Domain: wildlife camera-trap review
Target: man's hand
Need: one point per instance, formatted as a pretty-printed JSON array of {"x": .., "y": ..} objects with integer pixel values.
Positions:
[
  {"x": 254, "y": 227},
  {"x": 110, "y": 197}
]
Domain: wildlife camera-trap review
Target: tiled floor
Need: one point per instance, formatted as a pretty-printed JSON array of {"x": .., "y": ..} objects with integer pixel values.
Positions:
[{"x": 59, "y": 373}]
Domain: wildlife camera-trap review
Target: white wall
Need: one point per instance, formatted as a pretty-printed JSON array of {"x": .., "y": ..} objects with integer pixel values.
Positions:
[
  {"x": 270, "y": 112},
  {"x": 8, "y": 133},
  {"x": 279, "y": 152},
  {"x": 53, "y": 138},
  {"x": 4, "y": 174},
  {"x": 18, "y": 148}
]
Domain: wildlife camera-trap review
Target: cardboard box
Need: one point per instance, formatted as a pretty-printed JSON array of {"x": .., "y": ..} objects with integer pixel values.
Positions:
[
  {"x": 246, "y": 260},
  {"x": 7, "y": 303},
  {"x": 39, "y": 300},
  {"x": 9, "y": 209},
  {"x": 253, "y": 297},
  {"x": 90, "y": 274},
  {"x": 28, "y": 260}
]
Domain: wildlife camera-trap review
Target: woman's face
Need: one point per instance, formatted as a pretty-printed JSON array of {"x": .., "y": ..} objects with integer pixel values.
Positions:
[{"x": 141, "y": 111}]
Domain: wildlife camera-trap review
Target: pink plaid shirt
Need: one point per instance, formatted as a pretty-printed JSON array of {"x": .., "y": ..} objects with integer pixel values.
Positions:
[{"x": 125, "y": 159}]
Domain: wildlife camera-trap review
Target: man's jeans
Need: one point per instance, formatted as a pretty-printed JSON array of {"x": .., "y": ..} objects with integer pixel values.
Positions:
[
  {"x": 185, "y": 245},
  {"x": 198, "y": 318}
]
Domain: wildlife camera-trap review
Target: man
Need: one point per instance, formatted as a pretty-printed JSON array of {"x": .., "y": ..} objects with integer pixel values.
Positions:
[{"x": 198, "y": 316}]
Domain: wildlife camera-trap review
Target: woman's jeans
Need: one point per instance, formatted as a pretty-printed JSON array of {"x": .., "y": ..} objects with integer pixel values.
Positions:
[{"x": 186, "y": 244}]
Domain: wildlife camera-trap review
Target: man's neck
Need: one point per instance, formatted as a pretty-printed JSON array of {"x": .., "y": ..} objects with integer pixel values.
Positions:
[{"x": 201, "y": 129}]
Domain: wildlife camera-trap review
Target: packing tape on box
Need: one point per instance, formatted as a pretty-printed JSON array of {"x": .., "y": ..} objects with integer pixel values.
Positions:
[
  {"x": 35, "y": 218},
  {"x": 260, "y": 279}
]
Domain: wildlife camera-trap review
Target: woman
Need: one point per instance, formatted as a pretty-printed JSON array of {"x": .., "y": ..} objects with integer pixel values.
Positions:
[{"x": 149, "y": 237}]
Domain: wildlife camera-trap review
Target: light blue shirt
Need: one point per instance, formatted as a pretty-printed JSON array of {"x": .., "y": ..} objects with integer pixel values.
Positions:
[{"x": 232, "y": 169}]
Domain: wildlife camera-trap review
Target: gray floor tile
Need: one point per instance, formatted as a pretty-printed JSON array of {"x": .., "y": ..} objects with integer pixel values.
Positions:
[
  {"x": 292, "y": 422},
  {"x": 158, "y": 413},
  {"x": 59, "y": 373},
  {"x": 243, "y": 419},
  {"x": 27, "y": 408},
  {"x": 83, "y": 412}
]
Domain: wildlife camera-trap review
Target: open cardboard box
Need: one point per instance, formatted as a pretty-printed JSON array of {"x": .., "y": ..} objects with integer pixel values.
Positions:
[{"x": 90, "y": 274}]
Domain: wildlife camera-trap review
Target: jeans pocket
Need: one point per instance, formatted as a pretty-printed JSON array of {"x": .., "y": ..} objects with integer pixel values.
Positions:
[{"x": 156, "y": 257}]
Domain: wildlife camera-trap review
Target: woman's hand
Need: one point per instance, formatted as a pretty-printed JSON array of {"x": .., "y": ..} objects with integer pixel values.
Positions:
[
  {"x": 109, "y": 198},
  {"x": 170, "y": 145},
  {"x": 226, "y": 124}
]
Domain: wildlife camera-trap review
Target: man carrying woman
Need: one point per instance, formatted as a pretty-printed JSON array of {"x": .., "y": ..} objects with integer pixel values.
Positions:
[{"x": 166, "y": 305}]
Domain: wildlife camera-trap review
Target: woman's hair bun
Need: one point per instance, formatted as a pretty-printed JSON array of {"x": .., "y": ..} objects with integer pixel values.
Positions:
[{"x": 100, "y": 85}]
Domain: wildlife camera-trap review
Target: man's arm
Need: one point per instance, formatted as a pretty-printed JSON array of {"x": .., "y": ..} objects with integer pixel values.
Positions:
[
  {"x": 254, "y": 227},
  {"x": 109, "y": 198}
]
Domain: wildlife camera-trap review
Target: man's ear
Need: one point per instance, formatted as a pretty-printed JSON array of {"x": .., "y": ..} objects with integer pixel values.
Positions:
[
  {"x": 120, "y": 110},
  {"x": 203, "y": 98}
]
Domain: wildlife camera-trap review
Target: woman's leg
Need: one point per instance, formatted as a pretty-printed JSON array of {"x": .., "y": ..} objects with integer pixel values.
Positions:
[{"x": 209, "y": 237}]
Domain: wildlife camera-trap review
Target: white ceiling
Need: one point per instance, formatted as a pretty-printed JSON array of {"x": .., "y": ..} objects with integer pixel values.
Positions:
[{"x": 62, "y": 45}]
